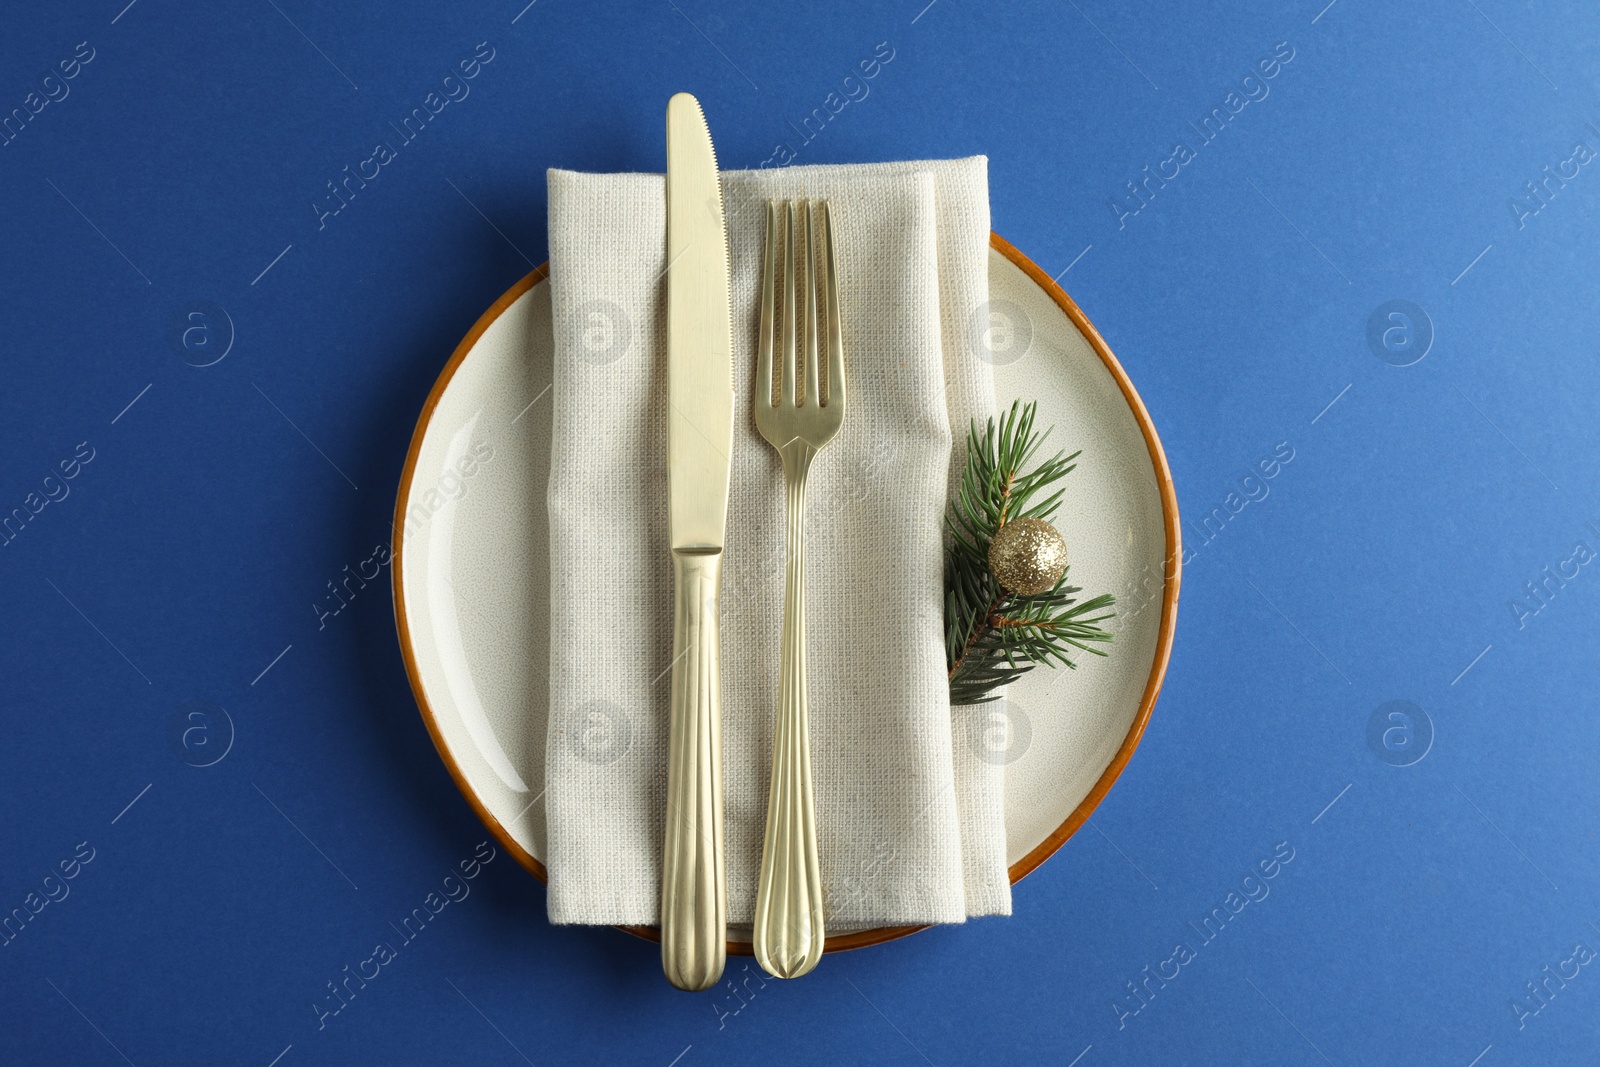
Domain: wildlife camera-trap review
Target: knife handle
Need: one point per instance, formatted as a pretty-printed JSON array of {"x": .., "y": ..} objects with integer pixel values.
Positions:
[{"x": 694, "y": 888}]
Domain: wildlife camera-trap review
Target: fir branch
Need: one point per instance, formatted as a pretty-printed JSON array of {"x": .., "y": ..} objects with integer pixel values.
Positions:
[{"x": 993, "y": 636}]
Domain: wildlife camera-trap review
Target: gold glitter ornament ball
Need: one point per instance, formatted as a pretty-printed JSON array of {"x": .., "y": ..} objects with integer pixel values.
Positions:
[{"x": 1028, "y": 556}]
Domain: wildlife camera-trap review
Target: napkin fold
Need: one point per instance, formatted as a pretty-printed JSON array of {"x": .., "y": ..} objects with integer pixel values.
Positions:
[{"x": 910, "y": 814}]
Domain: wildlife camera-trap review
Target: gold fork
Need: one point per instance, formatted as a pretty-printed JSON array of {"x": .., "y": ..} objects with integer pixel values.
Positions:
[{"x": 797, "y": 418}]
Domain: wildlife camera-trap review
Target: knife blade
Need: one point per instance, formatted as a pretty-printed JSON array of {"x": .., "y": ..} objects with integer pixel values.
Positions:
[
  {"x": 699, "y": 333},
  {"x": 699, "y": 444}
]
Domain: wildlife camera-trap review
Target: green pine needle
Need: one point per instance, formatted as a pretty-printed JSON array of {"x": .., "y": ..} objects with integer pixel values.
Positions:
[{"x": 992, "y": 636}]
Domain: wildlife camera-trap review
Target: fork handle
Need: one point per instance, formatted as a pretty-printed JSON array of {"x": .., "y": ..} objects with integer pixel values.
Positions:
[
  {"x": 694, "y": 887},
  {"x": 788, "y": 924}
]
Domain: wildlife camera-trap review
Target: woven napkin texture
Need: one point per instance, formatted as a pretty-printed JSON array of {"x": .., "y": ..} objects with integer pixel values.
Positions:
[{"x": 910, "y": 816}]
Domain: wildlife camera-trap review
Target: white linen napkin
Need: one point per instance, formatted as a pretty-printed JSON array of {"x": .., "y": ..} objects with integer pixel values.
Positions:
[{"x": 910, "y": 815}]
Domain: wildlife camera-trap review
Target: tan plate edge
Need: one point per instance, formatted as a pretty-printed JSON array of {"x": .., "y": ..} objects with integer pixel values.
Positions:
[
  {"x": 402, "y": 505},
  {"x": 1170, "y": 580},
  {"x": 1018, "y": 870}
]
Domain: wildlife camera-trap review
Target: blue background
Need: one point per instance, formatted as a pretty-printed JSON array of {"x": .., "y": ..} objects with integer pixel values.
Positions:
[{"x": 178, "y": 175}]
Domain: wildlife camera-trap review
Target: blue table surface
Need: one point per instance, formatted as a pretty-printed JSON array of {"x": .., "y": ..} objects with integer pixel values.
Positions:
[{"x": 1373, "y": 256}]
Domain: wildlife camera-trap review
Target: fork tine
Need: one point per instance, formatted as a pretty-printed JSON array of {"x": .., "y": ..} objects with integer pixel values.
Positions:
[
  {"x": 769, "y": 289},
  {"x": 788, "y": 352},
  {"x": 835, "y": 329},
  {"x": 813, "y": 394}
]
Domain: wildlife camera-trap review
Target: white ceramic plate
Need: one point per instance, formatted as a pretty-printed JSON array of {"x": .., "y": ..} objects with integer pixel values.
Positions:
[{"x": 471, "y": 572}]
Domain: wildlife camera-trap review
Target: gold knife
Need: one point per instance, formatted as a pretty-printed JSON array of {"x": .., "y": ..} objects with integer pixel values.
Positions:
[{"x": 694, "y": 891}]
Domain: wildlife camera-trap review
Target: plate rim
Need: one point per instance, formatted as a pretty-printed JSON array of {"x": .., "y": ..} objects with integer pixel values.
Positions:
[{"x": 1171, "y": 580}]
